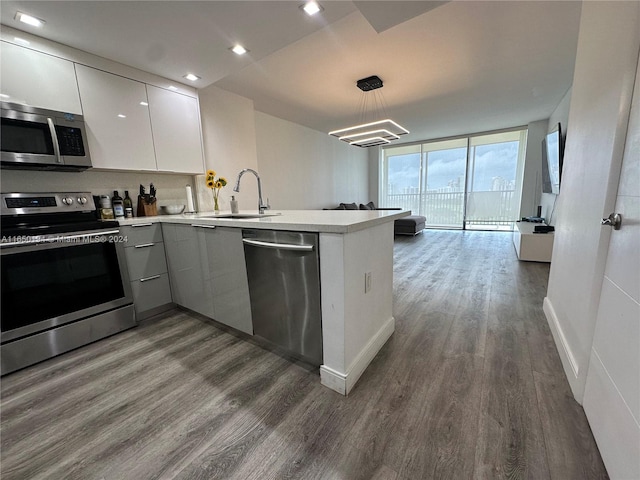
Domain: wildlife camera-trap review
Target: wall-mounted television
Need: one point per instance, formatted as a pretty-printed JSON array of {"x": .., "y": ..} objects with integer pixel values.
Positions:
[{"x": 552, "y": 153}]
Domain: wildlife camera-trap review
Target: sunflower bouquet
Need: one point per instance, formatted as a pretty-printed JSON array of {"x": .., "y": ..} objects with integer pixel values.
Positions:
[{"x": 215, "y": 184}]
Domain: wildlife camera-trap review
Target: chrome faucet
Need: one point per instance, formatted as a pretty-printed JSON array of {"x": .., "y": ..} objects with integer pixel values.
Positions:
[{"x": 261, "y": 205}]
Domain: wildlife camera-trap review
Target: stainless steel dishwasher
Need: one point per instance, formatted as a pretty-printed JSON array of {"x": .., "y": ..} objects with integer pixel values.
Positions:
[{"x": 284, "y": 286}]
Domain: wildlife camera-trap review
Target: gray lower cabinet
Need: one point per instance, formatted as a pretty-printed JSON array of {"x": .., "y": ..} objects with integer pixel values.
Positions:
[
  {"x": 207, "y": 271},
  {"x": 147, "y": 265},
  {"x": 185, "y": 253},
  {"x": 228, "y": 273}
]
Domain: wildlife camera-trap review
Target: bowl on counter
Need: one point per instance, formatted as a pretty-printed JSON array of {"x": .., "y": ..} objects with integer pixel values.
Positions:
[{"x": 171, "y": 209}]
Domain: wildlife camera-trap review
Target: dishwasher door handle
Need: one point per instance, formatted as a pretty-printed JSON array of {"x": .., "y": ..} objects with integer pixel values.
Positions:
[{"x": 278, "y": 246}]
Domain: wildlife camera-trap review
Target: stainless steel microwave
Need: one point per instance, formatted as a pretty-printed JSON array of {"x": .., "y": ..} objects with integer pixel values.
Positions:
[{"x": 35, "y": 138}]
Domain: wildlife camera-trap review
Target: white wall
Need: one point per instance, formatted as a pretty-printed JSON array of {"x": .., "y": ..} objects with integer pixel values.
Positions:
[
  {"x": 532, "y": 179},
  {"x": 300, "y": 168},
  {"x": 303, "y": 168},
  {"x": 374, "y": 174},
  {"x": 606, "y": 59},
  {"x": 229, "y": 137},
  {"x": 355, "y": 323},
  {"x": 559, "y": 115}
]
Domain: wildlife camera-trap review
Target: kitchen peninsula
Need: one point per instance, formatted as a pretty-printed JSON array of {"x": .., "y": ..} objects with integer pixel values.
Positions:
[{"x": 356, "y": 277}]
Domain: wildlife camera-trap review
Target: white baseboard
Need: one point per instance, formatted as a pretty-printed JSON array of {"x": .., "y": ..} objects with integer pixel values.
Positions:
[
  {"x": 566, "y": 354},
  {"x": 344, "y": 382},
  {"x": 333, "y": 379}
]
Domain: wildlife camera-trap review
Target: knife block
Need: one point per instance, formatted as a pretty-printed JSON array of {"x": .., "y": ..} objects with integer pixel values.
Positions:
[{"x": 147, "y": 209}]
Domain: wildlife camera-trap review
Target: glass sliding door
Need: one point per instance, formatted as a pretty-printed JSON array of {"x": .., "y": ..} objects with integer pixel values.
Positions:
[
  {"x": 444, "y": 170},
  {"x": 400, "y": 185},
  {"x": 427, "y": 179},
  {"x": 494, "y": 180},
  {"x": 472, "y": 182}
]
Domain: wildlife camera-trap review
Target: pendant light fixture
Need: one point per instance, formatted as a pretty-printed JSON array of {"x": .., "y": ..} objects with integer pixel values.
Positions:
[{"x": 371, "y": 133}]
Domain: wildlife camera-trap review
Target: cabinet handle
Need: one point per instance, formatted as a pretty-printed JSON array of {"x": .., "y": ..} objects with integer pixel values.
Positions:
[
  {"x": 136, "y": 225},
  {"x": 144, "y": 245},
  {"x": 149, "y": 278},
  {"x": 202, "y": 226}
]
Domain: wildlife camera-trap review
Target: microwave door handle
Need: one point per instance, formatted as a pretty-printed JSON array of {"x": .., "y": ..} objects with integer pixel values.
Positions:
[{"x": 54, "y": 136}]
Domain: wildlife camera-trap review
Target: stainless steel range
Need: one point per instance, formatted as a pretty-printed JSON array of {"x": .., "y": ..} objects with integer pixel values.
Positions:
[{"x": 64, "y": 277}]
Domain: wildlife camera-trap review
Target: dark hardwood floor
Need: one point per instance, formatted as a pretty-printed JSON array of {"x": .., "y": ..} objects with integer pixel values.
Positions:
[{"x": 469, "y": 386}]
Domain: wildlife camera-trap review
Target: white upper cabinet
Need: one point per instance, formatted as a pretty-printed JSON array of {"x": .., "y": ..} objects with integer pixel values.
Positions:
[
  {"x": 175, "y": 122},
  {"x": 38, "y": 79},
  {"x": 116, "y": 112}
]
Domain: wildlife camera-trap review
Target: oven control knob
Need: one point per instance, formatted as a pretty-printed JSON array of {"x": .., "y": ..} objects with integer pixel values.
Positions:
[
  {"x": 82, "y": 200},
  {"x": 67, "y": 201}
]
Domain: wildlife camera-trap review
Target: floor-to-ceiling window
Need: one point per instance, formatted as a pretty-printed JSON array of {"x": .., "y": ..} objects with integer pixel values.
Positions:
[
  {"x": 470, "y": 182},
  {"x": 494, "y": 180}
]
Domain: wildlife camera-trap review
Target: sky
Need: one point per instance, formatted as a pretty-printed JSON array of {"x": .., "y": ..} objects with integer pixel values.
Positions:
[{"x": 495, "y": 160}]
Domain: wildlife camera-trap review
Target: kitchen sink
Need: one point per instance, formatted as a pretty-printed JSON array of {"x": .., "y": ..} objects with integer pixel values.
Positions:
[{"x": 243, "y": 215}]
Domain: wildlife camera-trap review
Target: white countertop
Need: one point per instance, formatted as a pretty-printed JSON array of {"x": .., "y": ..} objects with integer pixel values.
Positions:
[{"x": 325, "y": 221}]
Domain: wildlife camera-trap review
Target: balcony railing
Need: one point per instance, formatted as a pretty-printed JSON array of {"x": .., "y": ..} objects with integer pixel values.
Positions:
[{"x": 446, "y": 209}]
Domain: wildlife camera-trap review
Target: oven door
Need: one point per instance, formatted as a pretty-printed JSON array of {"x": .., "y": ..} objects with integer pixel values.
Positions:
[{"x": 58, "y": 280}]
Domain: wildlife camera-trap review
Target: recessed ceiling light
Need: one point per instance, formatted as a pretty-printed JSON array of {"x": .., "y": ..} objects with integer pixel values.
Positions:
[
  {"x": 171, "y": 87},
  {"x": 192, "y": 77},
  {"x": 29, "y": 20},
  {"x": 144, "y": 104},
  {"x": 122, "y": 116},
  {"x": 4, "y": 95},
  {"x": 239, "y": 49},
  {"x": 311, "y": 8}
]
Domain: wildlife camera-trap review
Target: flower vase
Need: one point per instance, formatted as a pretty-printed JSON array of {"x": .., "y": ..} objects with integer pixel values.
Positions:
[{"x": 216, "y": 208}]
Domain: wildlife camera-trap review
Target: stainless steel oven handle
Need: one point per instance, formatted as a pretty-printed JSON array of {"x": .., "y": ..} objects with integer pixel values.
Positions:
[
  {"x": 199, "y": 225},
  {"x": 144, "y": 245},
  {"x": 136, "y": 225},
  {"x": 54, "y": 136},
  {"x": 63, "y": 238},
  {"x": 278, "y": 246}
]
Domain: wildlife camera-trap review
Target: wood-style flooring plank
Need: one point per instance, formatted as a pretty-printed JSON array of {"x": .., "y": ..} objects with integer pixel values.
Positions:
[
  {"x": 393, "y": 407},
  {"x": 510, "y": 439},
  {"x": 567, "y": 434},
  {"x": 442, "y": 435}
]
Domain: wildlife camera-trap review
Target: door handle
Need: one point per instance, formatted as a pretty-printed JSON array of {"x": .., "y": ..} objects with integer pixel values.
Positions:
[
  {"x": 613, "y": 220},
  {"x": 54, "y": 136}
]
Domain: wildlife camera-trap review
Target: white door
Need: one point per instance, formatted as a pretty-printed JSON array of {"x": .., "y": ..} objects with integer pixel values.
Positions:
[{"x": 612, "y": 392}]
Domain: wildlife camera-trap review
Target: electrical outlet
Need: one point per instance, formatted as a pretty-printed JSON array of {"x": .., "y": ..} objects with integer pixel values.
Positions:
[{"x": 367, "y": 282}]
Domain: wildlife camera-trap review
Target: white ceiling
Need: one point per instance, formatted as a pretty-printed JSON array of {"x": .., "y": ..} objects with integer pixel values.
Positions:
[{"x": 448, "y": 67}]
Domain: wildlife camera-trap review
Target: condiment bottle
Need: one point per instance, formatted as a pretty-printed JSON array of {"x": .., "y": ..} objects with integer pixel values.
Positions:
[
  {"x": 118, "y": 205},
  {"x": 128, "y": 205}
]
